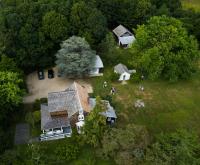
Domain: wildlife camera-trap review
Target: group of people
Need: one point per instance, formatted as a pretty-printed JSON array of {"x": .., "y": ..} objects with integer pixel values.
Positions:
[{"x": 113, "y": 89}]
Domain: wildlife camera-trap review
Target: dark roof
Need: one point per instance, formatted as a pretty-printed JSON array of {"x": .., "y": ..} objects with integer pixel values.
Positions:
[
  {"x": 121, "y": 68},
  {"x": 120, "y": 30},
  {"x": 110, "y": 112}
]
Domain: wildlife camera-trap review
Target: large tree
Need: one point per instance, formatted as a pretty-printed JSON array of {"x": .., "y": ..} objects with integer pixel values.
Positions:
[
  {"x": 75, "y": 58},
  {"x": 125, "y": 145},
  {"x": 31, "y": 31},
  {"x": 181, "y": 147},
  {"x": 88, "y": 22},
  {"x": 126, "y": 12},
  {"x": 163, "y": 48},
  {"x": 95, "y": 124}
]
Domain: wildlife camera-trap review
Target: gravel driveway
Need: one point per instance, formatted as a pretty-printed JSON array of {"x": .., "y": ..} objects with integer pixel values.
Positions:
[{"x": 40, "y": 88}]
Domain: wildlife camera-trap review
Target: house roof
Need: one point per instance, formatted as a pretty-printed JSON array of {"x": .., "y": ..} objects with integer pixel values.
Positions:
[
  {"x": 98, "y": 62},
  {"x": 120, "y": 30},
  {"x": 126, "y": 40},
  {"x": 74, "y": 99},
  {"x": 121, "y": 68},
  {"x": 110, "y": 112}
]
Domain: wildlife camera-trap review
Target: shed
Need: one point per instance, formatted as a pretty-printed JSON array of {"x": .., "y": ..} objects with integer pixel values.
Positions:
[
  {"x": 124, "y": 73},
  {"x": 125, "y": 37}
]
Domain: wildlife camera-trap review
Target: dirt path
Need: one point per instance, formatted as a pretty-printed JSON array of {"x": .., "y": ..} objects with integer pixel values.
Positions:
[{"x": 40, "y": 88}]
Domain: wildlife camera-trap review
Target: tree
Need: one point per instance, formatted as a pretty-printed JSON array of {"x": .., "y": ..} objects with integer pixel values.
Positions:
[
  {"x": 95, "y": 124},
  {"x": 83, "y": 18},
  {"x": 10, "y": 91},
  {"x": 164, "y": 49},
  {"x": 125, "y": 145},
  {"x": 55, "y": 25},
  {"x": 31, "y": 31},
  {"x": 181, "y": 147},
  {"x": 75, "y": 58},
  {"x": 126, "y": 12}
]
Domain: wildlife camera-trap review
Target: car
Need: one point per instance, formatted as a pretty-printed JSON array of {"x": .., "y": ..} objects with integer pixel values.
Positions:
[
  {"x": 41, "y": 74},
  {"x": 50, "y": 73}
]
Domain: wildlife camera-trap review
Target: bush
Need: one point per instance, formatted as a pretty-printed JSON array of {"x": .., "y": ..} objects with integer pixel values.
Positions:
[
  {"x": 67, "y": 152},
  {"x": 36, "y": 104},
  {"x": 29, "y": 119},
  {"x": 36, "y": 116},
  {"x": 136, "y": 78},
  {"x": 114, "y": 76}
]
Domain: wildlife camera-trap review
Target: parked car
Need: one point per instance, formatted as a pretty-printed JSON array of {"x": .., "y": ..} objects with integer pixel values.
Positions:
[
  {"x": 41, "y": 74},
  {"x": 50, "y": 73}
]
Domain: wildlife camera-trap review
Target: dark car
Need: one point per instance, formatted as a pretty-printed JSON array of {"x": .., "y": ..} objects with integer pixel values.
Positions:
[
  {"x": 40, "y": 74},
  {"x": 50, "y": 73}
]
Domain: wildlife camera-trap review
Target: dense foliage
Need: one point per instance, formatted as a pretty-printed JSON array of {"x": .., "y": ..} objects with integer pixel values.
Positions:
[
  {"x": 95, "y": 124},
  {"x": 164, "y": 49},
  {"x": 126, "y": 145},
  {"x": 181, "y": 147},
  {"x": 75, "y": 58}
]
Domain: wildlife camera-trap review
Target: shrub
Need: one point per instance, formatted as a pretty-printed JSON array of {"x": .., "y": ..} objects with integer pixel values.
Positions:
[
  {"x": 136, "y": 78},
  {"x": 36, "y": 116},
  {"x": 67, "y": 152},
  {"x": 36, "y": 104},
  {"x": 114, "y": 76}
]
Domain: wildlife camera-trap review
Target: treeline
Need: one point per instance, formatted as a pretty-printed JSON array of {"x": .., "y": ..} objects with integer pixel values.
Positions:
[{"x": 31, "y": 31}]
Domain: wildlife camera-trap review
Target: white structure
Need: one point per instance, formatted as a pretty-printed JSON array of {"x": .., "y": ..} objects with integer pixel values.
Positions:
[
  {"x": 98, "y": 65},
  {"x": 124, "y": 73},
  {"x": 125, "y": 37}
]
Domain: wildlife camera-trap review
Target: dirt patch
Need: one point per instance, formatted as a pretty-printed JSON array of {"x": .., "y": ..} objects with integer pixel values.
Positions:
[{"x": 40, "y": 88}]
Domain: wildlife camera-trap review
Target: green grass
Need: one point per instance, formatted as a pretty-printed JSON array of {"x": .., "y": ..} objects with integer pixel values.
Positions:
[
  {"x": 191, "y": 4},
  {"x": 167, "y": 106}
]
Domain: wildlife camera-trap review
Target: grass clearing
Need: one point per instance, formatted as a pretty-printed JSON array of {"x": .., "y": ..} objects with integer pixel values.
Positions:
[
  {"x": 168, "y": 106},
  {"x": 191, "y": 4}
]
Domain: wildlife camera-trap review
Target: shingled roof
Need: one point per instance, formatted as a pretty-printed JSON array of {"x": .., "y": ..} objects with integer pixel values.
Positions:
[
  {"x": 120, "y": 30},
  {"x": 72, "y": 100},
  {"x": 121, "y": 68}
]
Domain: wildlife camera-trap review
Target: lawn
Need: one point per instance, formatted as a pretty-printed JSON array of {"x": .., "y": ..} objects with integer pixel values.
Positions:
[
  {"x": 168, "y": 106},
  {"x": 191, "y": 4}
]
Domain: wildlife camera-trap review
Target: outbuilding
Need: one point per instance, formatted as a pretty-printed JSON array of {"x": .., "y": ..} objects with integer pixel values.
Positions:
[
  {"x": 124, "y": 73},
  {"x": 125, "y": 37}
]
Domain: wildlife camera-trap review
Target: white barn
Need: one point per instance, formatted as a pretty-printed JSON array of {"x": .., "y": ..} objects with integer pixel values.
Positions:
[
  {"x": 98, "y": 65},
  {"x": 124, "y": 73},
  {"x": 125, "y": 37}
]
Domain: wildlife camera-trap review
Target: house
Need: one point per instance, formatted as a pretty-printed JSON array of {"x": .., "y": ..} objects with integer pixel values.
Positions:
[
  {"x": 64, "y": 110},
  {"x": 124, "y": 73},
  {"x": 109, "y": 113},
  {"x": 97, "y": 67},
  {"x": 125, "y": 37},
  {"x": 67, "y": 109}
]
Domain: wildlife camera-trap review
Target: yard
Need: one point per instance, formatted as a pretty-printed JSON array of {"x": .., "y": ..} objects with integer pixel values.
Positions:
[
  {"x": 191, "y": 4},
  {"x": 168, "y": 106},
  {"x": 40, "y": 88}
]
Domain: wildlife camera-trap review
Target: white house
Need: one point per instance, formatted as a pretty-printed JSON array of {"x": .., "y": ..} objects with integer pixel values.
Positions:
[
  {"x": 124, "y": 73},
  {"x": 125, "y": 37},
  {"x": 98, "y": 65}
]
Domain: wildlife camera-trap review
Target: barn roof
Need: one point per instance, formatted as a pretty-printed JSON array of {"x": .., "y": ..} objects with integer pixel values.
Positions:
[
  {"x": 98, "y": 62},
  {"x": 121, "y": 68},
  {"x": 120, "y": 30},
  {"x": 72, "y": 100}
]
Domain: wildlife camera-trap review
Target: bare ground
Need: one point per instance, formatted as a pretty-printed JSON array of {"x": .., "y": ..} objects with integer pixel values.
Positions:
[{"x": 40, "y": 88}]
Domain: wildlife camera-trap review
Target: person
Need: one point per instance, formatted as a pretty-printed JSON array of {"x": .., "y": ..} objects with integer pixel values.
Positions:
[
  {"x": 113, "y": 90},
  {"x": 105, "y": 84}
]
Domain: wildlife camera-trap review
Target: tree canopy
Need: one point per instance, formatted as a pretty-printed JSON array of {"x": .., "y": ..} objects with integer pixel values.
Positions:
[
  {"x": 75, "y": 58},
  {"x": 181, "y": 147},
  {"x": 163, "y": 48}
]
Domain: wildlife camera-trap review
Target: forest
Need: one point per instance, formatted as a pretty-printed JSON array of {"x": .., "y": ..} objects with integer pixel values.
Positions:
[{"x": 32, "y": 36}]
